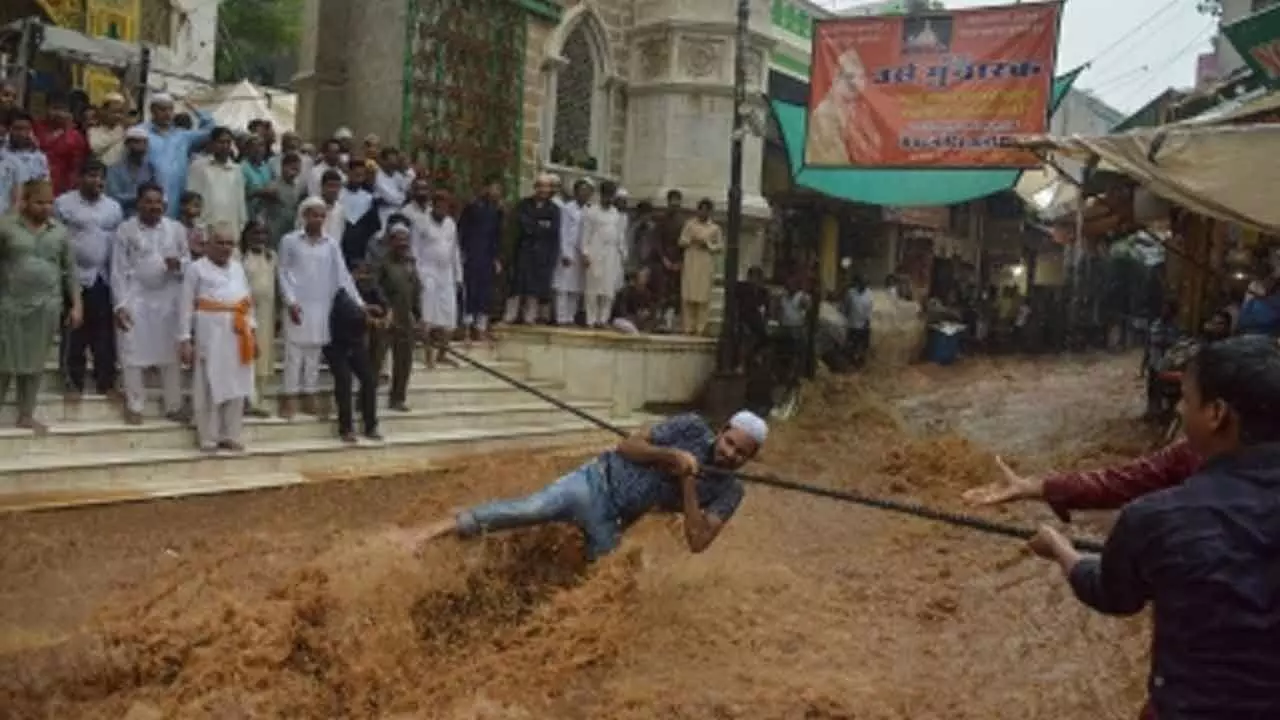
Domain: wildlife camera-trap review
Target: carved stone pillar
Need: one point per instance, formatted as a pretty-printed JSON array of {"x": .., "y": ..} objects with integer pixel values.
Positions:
[
  {"x": 680, "y": 102},
  {"x": 321, "y": 75}
]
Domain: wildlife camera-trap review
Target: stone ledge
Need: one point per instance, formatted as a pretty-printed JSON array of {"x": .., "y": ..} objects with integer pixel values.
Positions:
[{"x": 595, "y": 338}]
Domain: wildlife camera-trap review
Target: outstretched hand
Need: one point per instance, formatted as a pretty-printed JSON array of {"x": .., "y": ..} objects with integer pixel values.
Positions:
[{"x": 1010, "y": 487}]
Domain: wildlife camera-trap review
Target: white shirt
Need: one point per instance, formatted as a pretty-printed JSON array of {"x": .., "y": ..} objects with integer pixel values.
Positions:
[
  {"x": 92, "y": 225},
  {"x": 222, "y": 187},
  {"x": 315, "y": 180}
]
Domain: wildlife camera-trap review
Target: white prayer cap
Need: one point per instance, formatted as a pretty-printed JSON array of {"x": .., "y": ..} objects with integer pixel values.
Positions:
[
  {"x": 751, "y": 424},
  {"x": 162, "y": 99},
  {"x": 343, "y": 133},
  {"x": 137, "y": 132},
  {"x": 112, "y": 97},
  {"x": 312, "y": 203},
  {"x": 622, "y": 193},
  {"x": 553, "y": 178},
  {"x": 398, "y": 225}
]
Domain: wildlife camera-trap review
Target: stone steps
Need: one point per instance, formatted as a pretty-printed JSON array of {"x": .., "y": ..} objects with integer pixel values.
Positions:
[
  {"x": 90, "y": 456},
  {"x": 49, "y": 480},
  {"x": 103, "y": 438},
  {"x": 464, "y": 391}
]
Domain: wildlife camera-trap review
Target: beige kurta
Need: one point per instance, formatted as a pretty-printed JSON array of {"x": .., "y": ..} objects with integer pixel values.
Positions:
[
  {"x": 260, "y": 268},
  {"x": 701, "y": 242},
  {"x": 222, "y": 187}
]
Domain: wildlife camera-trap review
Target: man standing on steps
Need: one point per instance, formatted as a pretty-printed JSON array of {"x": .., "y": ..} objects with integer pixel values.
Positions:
[
  {"x": 602, "y": 252},
  {"x": 657, "y": 469},
  {"x": 147, "y": 266},
  {"x": 311, "y": 272},
  {"x": 569, "y": 273},
  {"x": 217, "y": 309},
  {"x": 92, "y": 219}
]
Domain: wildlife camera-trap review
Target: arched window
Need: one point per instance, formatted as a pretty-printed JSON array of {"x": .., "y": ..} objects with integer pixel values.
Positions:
[{"x": 579, "y": 83}]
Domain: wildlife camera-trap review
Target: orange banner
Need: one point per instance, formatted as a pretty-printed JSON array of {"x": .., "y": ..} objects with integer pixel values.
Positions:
[{"x": 938, "y": 90}]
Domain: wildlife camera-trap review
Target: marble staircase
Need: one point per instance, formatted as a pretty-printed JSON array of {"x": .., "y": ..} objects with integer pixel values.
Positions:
[{"x": 89, "y": 455}]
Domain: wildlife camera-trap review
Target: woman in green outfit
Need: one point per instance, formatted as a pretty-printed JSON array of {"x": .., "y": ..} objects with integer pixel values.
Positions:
[{"x": 36, "y": 275}]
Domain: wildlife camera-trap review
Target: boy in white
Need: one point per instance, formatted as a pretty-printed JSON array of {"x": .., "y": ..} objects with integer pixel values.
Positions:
[
  {"x": 217, "y": 304},
  {"x": 602, "y": 250},
  {"x": 311, "y": 273},
  {"x": 147, "y": 267}
]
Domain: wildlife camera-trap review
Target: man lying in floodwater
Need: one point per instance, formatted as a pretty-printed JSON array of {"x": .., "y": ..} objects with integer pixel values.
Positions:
[
  {"x": 654, "y": 469},
  {"x": 1205, "y": 553}
]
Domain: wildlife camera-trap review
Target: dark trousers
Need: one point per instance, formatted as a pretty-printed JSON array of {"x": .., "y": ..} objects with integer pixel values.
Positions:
[
  {"x": 345, "y": 362},
  {"x": 400, "y": 344},
  {"x": 96, "y": 335}
]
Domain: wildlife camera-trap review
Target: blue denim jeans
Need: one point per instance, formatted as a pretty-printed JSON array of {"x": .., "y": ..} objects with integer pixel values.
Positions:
[{"x": 576, "y": 498}]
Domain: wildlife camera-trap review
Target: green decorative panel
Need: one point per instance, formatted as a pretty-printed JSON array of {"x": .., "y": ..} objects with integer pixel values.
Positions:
[{"x": 463, "y": 94}]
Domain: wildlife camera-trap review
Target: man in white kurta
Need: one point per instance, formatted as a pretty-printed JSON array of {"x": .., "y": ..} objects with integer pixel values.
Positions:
[
  {"x": 311, "y": 272},
  {"x": 568, "y": 277},
  {"x": 147, "y": 266},
  {"x": 217, "y": 337},
  {"x": 439, "y": 262},
  {"x": 220, "y": 183},
  {"x": 602, "y": 248}
]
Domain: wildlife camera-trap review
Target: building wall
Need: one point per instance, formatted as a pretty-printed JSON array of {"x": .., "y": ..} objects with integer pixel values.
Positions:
[
  {"x": 374, "y": 98},
  {"x": 193, "y": 49},
  {"x": 1228, "y": 60}
]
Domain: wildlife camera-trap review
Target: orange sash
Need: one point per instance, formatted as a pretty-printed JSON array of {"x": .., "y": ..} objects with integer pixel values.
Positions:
[{"x": 239, "y": 323}]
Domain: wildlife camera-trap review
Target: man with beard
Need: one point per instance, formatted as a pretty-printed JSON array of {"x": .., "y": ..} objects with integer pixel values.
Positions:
[
  {"x": 91, "y": 219},
  {"x": 21, "y": 161},
  {"x": 132, "y": 171},
  {"x": 537, "y": 251},
  {"x": 217, "y": 336},
  {"x": 658, "y": 469},
  {"x": 169, "y": 148},
  {"x": 665, "y": 263},
  {"x": 480, "y": 235},
  {"x": 147, "y": 265},
  {"x": 36, "y": 273}
]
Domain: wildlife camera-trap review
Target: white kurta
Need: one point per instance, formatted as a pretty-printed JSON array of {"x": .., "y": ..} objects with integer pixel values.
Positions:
[
  {"x": 603, "y": 243},
  {"x": 311, "y": 271},
  {"x": 216, "y": 344},
  {"x": 222, "y": 187},
  {"x": 389, "y": 191},
  {"x": 568, "y": 278},
  {"x": 142, "y": 283},
  {"x": 335, "y": 222},
  {"x": 439, "y": 262},
  {"x": 315, "y": 179}
]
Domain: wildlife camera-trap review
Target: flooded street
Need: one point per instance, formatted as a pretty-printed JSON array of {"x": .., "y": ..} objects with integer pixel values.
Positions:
[{"x": 285, "y": 604}]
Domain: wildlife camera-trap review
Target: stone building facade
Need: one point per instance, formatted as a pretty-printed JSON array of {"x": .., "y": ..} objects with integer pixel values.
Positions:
[{"x": 639, "y": 91}]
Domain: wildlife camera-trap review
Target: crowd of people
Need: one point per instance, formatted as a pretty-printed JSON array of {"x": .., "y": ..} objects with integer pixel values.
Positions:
[{"x": 174, "y": 242}]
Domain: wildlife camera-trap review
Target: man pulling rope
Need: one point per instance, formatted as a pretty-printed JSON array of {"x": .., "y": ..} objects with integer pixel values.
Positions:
[{"x": 653, "y": 469}]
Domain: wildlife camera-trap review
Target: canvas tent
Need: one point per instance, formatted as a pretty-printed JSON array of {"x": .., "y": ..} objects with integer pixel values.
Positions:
[
  {"x": 235, "y": 104},
  {"x": 1226, "y": 172}
]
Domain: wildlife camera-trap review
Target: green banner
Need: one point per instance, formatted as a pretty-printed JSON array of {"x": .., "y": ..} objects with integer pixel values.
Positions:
[{"x": 1257, "y": 39}]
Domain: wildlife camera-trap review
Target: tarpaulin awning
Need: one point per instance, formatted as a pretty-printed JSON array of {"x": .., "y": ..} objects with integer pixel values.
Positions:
[
  {"x": 1226, "y": 172},
  {"x": 80, "y": 48},
  {"x": 901, "y": 188}
]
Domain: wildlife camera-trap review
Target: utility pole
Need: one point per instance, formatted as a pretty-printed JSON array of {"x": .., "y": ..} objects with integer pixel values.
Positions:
[
  {"x": 727, "y": 356},
  {"x": 728, "y": 389}
]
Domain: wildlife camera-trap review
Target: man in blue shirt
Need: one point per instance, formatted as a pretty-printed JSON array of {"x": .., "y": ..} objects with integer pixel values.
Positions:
[
  {"x": 1204, "y": 554},
  {"x": 655, "y": 469}
]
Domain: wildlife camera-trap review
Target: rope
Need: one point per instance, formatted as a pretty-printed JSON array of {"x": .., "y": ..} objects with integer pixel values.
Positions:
[{"x": 897, "y": 506}]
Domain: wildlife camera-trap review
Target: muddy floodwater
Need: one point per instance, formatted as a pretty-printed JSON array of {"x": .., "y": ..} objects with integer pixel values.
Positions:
[{"x": 287, "y": 604}]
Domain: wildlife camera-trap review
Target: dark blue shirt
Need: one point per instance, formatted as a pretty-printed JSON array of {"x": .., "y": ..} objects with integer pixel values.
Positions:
[
  {"x": 635, "y": 489},
  {"x": 1206, "y": 555}
]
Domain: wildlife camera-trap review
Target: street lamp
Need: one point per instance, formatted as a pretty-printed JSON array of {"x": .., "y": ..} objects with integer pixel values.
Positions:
[{"x": 727, "y": 355}]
